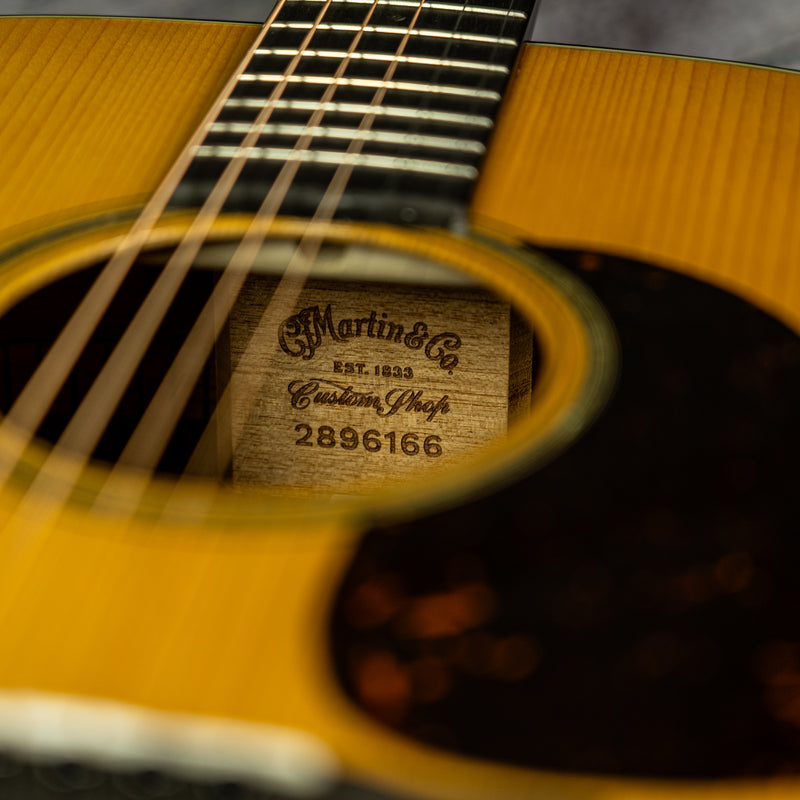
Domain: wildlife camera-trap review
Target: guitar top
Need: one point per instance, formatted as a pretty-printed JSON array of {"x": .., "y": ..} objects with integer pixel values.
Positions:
[{"x": 421, "y": 512}]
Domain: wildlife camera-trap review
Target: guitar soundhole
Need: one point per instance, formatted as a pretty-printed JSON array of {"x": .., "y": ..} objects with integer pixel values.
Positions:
[
  {"x": 373, "y": 369},
  {"x": 632, "y": 607}
]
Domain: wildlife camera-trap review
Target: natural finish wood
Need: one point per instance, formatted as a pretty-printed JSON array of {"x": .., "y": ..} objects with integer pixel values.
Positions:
[
  {"x": 694, "y": 165},
  {"x": 95, "y": 111},
  {"x": 160, "y": 615},
  {"x": 691, "y": 164}
]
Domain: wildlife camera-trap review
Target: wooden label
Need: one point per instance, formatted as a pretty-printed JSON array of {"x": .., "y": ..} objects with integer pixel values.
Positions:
[{"x": 366, "y": 384}]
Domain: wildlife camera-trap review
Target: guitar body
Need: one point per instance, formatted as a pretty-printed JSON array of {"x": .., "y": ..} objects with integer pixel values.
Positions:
[{"x": 221, "y": 625}]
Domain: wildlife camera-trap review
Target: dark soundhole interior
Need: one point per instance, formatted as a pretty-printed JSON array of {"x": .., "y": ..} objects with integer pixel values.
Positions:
[
  {"x": 632, "y": 608},
  {"x": 28, "y": 329}
]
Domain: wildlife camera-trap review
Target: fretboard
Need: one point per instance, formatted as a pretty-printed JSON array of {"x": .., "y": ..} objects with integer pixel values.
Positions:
[{"x": 409, "y": 115}]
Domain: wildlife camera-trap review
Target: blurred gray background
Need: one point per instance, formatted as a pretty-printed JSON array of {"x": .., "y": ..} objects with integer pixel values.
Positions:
[{"x": 757, "y": 31}]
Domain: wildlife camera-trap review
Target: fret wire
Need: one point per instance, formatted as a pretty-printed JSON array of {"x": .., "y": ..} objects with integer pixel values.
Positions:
[
  {"x": 87, "y": 424},
  {"x": 428, "y": 32},
  {"x": 353, "y": 158},
  {"x": 506, "y": 17},
  {"x": 160, "y": 412},
  {"x": 386, "y": 137},
  {"x": 458, "y": 9},
  {"x": 363, "y": 108},
  {"x": 370, "y": 83},
  {"x": 324, "y": 212},
  {"x": 416, "y": 60},
  {"x": 41, "y": 389},
  {"x": 325, "y": 157}
]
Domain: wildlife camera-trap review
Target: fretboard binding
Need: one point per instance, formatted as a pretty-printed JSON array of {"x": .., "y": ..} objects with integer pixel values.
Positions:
[
  {"x": 364, "y": 109},
  {"x": 383, "y": 137},
  {"x": 336, "y": 159},
  {"x": 417, "y": 60},
  {"x": 465, "y": 37},
  {"x": 370, "y": 83},
  {"x": 457, "y": 9}
]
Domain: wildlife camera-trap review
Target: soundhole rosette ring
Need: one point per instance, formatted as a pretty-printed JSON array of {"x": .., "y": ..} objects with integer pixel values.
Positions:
[{"x": 576, "y": 377}]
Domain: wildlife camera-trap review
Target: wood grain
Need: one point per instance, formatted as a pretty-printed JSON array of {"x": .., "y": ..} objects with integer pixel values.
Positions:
[
  {"x": 377, "y": 384},
  {"x": 693, "y": 165},
  {"x": 94, "y": 111}
]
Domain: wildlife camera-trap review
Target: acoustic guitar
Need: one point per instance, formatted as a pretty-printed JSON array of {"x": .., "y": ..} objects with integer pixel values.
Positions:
[{"x": 319, "y": 481}]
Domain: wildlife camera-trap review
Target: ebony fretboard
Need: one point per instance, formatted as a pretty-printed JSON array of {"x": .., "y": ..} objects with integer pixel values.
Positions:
[{"x": 419, "y": 158}]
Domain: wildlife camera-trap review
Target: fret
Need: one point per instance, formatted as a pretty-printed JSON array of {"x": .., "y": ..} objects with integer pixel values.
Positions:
[
  {"x": 474, "y": 38},
  {"x": 456, "y": 9},
  {"x": 407, "y": 112},
  {"x": 396, "y": 163},
  {"x": 383, "y": 137},
  {"x": 382, "y": 57},
  {"x": 439, "y": 18},
  {"x": 367, "y": 83},
  {"x": 362, "y": 109}
]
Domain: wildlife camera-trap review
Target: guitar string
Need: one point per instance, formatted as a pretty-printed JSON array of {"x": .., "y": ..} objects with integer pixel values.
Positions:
[
  {"x": 19, "y": 425},
  {"x": 208, "y": 560},
  {"x": 255, "y": 654},
  {"x": 75, "y": 434},
  {"x": 203, "y": 454},
  {"x": 191, "y": 583},
  {"x": 151, "y": 436},
  {"x": 34, "y": 549},
  {"x": 87, "y": 416},
  {"x": 343, "y": 182},
  {"x": 58, "y": 490},
  {"x": 30, "y": 520},
  {"x": 65, "y": 462},
  {"x": 314, "y": 236},
  {"x": 193, "y": 598},
  {"x": 448, "y": 47},
  {"x": 136, "y": 451},
  {"x": 247, "y": 390}
]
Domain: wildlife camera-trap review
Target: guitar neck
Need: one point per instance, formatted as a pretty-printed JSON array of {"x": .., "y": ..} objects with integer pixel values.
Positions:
[{"x": 400, "y": 95}]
